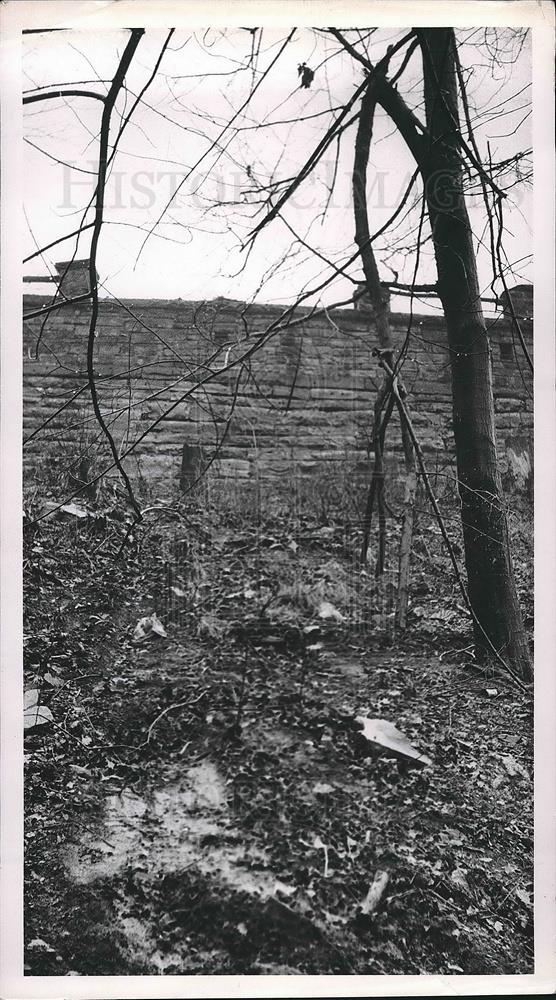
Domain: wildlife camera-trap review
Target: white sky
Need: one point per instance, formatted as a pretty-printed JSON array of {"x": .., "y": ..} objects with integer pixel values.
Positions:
[{"x": 195, "y": 251}]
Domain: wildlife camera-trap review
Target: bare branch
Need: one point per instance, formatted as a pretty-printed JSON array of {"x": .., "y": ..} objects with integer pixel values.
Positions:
[
  {"x": 119, "y": 76},
  {"x": 62, "y": 239},
  {"x": 52, "y": 95},
  {"x": 45, "y": 310},
  {"x": 217, "y": 140}
]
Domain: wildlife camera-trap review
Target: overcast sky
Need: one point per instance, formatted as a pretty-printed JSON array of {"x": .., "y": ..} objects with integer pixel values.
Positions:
[{"x": 194, "y": 249}]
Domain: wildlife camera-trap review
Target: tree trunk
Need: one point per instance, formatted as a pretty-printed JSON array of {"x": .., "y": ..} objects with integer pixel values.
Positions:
[
  {"x": 378, "y": 294},
  {"x": 406, "y": 536},
  {"x": 491, "y": 585},
  {"x": 384, "y": 405},
  {"x": 378, "y": 302}
]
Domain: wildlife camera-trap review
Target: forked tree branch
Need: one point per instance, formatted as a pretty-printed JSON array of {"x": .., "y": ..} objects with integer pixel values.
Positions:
[{"x": 409, "y": 126}]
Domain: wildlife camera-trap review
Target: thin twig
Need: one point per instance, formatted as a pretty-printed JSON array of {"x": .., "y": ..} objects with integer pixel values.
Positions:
[{"x": 170, "y": 708}]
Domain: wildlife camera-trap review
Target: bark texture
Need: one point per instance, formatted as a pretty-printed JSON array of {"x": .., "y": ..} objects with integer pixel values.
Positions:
[{"x": 491, "y": 584}]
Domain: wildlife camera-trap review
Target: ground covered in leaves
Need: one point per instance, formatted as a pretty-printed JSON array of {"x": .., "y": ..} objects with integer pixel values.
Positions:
[{"x": 199, "y": 796}]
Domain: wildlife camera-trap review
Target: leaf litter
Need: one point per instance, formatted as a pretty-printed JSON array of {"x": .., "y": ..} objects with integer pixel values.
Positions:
[{"x": 248, "y": 834}]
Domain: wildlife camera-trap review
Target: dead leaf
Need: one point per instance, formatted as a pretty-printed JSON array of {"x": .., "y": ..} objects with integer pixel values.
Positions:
[
  {"x": 321, "y": 788},
  {"x": 459, "y": 879},
  {"x": 73, "y": 510},
  {"x": 329, "y": 612},
  {"x": 524, "y": 897},
  {"x": 381, "y": 733},
  {"x": 148, "y": 628},
  {"x": 513, "y": 767},
  {"x": 52, "y": 680},
  {"x": 37, "y": 944},
  {"x": 375, "y": 893},
  {"x": 34, "y": 714},
  {"x": 118, "y": 683},
  {"x": 82, "y": 771}
]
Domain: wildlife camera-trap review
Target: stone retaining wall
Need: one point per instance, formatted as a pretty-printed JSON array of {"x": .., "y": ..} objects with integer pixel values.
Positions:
[{"x": 302, "y": 403}]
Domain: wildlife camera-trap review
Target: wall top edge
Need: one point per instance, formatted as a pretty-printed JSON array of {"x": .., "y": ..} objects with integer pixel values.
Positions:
[{"x": 352, "y": 317}]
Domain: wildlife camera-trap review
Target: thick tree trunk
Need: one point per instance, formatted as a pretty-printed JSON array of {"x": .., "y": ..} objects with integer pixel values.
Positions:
[{"x": 491, "y": 585}]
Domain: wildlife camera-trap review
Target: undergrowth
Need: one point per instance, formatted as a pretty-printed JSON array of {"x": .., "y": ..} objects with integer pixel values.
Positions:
[{"x": 273, "y": 637}]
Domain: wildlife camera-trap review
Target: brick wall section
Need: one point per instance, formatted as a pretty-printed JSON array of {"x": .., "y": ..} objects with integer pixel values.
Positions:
[{"x": 303, "y": 401}]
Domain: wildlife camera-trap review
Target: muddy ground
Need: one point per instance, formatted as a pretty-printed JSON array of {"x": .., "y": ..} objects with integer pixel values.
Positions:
[{"x": 202, "y": 800}]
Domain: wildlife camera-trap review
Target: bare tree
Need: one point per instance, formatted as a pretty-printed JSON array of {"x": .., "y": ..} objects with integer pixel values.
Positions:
[
  {"x": 440, "y": 152},
  {"x": 445, "y": 163}
]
